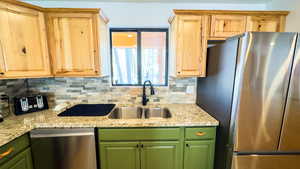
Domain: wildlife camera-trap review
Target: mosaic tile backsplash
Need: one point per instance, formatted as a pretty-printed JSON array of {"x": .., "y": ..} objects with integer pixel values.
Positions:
[
  {"x": 11, "y": 88},
  {"x": 98, "y": 90}
]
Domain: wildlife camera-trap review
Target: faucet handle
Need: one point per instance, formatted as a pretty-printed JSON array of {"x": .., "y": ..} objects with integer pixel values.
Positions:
[{"x": 152, "y": 92}]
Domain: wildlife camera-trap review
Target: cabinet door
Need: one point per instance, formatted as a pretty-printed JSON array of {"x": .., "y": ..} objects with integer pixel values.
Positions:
[
  {"x": 199, "y": 154},
  {"x": 161, "y": 155},
  {"x": 21, "y": 161},
  {"x": 119, "y": 155},
  {"x": 74, "y": 44},
  {"x": 223, "y": 26},
  {"x": 191, "y": 44},
  {"x": 264, "y": 24},
  {"x": 23, "y": 43}
]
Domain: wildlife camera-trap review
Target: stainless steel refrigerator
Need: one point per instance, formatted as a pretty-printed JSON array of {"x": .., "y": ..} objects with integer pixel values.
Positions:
[{"x": 253, "y": 88}]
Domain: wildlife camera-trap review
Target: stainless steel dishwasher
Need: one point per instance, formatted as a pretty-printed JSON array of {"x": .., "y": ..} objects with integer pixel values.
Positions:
[{"x": 64, "y": 148}]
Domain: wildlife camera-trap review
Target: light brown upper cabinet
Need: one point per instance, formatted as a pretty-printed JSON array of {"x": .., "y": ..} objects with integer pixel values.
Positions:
[
  {"x": 23, "y": 42},
  {"x": 191, "y": 30},
  {"x": 188, "y": 45},
  {"x": 267, "y": 23},
  {"x": 74, "y": 41},
  {"x": 223, "y": 26}
]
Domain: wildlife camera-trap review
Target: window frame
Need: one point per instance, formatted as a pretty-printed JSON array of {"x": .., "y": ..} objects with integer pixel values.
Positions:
[{"x": 139, "y": 55}]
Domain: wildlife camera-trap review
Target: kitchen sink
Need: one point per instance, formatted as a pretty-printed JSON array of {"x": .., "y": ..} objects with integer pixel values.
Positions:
[
  {"x": 126, "y": 113},
  {"x": 157, "y": 113}
]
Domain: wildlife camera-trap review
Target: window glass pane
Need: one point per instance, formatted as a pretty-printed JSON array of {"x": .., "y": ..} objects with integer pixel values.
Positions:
[
  {"x": 153, "y": 51},
  {"x": 124, "y": 58}
]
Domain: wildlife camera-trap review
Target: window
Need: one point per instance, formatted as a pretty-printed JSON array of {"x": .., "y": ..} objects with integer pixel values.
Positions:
[{"x": 139, "y": 55}]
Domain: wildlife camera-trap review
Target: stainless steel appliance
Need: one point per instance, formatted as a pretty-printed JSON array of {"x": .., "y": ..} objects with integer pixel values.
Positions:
[
  {"x": 253, "y": 88},
  {"x": 64, "y": 148},
  {"x": 29, "y": 104}
]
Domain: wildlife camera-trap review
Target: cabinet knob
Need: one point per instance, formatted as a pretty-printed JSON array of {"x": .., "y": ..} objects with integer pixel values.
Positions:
[
  {"x": 187, "y": 145},
  {"x": 200, "y": 133},
  {"x": 24, "y": 50},
  {"x": 1, "y": 73}
]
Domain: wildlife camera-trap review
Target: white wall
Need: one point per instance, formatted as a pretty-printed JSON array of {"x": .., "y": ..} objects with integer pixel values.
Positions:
[
  {"x": 293, "y": 19},
  {"x": 144, "y": 14}
]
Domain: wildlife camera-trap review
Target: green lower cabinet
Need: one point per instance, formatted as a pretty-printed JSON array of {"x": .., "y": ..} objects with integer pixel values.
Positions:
[
  {"x": 119, "y": 155},
  {"x": 199, "y": 154},
  {"x": 140, "y": 155},
  {"x": 22, "y": 160},
  {"x": 157, "y": 148},
  {"x": 161, "y": 155}
]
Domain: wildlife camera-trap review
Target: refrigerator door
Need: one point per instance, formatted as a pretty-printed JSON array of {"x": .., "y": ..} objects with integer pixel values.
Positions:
[
  {"x": 263, "y": 72},
  {"x": 290, "y": 135},
  {"x": 214, "y": 94},
  {"x": 266, "y": 162}
]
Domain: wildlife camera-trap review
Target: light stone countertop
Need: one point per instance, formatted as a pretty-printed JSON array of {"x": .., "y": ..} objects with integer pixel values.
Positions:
[{"x": 182, "y": 115}]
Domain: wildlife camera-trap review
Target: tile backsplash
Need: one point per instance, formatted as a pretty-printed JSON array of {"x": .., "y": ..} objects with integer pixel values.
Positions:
[
  {"x": 11, "y": 88},
  {"x": 97, "y": 90}
]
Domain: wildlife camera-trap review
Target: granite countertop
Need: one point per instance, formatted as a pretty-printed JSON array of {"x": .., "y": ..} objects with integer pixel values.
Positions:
[{"x": 182, "y": 115}]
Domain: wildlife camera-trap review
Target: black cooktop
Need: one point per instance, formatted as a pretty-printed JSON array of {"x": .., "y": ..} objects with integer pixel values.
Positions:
[{"x": 88, "y": 110}]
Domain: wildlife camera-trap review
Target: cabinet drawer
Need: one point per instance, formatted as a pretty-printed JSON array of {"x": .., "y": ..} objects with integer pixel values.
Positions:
[
  {"x": 200, "y": 133},
  {"x": 14, "y": 147},
  {"x": 139, "y": 134},
  {"x": 22, "y": 160}
]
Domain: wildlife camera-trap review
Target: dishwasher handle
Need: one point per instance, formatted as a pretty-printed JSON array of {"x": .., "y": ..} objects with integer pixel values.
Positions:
[{"x": 72, "y": 132}]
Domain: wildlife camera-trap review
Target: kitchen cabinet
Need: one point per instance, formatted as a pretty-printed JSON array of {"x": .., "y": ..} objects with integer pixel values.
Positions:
[
  {"x": 21, "y": 161},
  {"x": 199, "y": 154},
  {"x": 188, "y": 45},
  {"x": 16, "y": 154},
  {"x": 11, "y": 149},
  {"x": 190, "y": 31},
  {"x": 265, "y": 23},
  {"x": 77, "y": 39},
  {"x": 160, "y": 155},
  {"x": 144, "y": 148},
  {"x": 74, "y": 41},
  {"x": 116, "y": 155},
  {"x": 199, "y": 148},
  {"x": 23, "y": 42},
  {"x": 159, "y": 148},
  {"x": 146, "y": 155},
  {"x": 223, "y": 26}
]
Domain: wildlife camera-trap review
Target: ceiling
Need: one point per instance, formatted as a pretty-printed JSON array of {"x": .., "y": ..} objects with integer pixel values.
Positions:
[{"x": 174, "y": 1}]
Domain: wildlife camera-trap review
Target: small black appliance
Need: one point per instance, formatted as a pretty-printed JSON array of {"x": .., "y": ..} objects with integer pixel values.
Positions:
[{"x": 29, "y": 104}]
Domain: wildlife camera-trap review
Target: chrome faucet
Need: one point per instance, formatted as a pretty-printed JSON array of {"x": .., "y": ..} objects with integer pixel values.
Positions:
[{"x": 145, "y": 100}]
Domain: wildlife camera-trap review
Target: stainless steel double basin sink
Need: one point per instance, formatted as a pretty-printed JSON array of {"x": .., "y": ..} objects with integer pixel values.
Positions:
[{"x": 139, "y": 113}]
